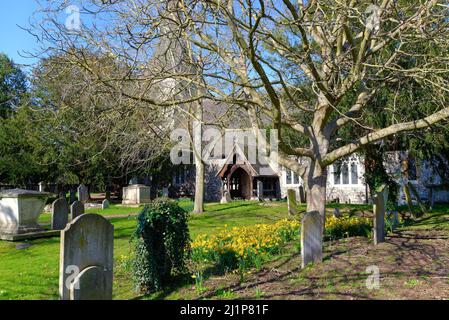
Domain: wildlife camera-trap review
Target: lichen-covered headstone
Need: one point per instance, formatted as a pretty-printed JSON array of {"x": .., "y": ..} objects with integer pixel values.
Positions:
[
  {"x": 76, "y": 209},
  {"x": 291, "y": 200},
  {"x": 379, "y": 209},
  {"x": 311, "y": 238},
  {"x": 59, "y": 214},
  {"x": 86, "y": 259},
  {"x": 83, "y": 193},
  {"x": 105, "y": 204}
]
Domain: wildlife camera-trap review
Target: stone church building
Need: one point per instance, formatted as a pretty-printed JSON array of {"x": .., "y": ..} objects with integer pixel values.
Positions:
[{"x": 234, "y": 174}]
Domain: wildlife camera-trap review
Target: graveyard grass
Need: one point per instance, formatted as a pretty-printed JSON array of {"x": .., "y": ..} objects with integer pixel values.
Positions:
[{"x": 414, "y": 260}]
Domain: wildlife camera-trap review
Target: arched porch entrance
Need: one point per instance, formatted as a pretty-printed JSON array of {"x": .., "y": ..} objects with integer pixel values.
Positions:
[{"x": 240, "y": 184}]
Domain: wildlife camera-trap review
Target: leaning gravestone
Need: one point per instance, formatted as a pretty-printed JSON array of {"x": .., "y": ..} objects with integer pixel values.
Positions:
[
  {"x": 105, "y": 204},
  {"x": 83, "y": 193},
  {"x": 311, "y": 238},
  {"x": 379, "y": 208},
  {"x": 76, "y": 209},
  {"x": 59, "y": 214},
  {"x": 291, "y": 199},
  {"x": 86, "y": 259}
]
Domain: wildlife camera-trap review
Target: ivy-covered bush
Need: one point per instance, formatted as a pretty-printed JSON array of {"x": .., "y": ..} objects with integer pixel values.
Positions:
[{"x": 162, "y": 245}]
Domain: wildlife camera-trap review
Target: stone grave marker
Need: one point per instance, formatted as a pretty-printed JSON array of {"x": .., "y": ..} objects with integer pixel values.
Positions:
[
  {"x": 291, "y": 200},
  {"x": 379, "y": 209},
  {"x": 226, "y": 197},
  {"x": 337, "y": 213},
  {"x": 86, "y": 259},
  {"x": 311, "y": 238},
  {"x": 260, "y": 190},
  {"x": 59, "y": 214},
  {"x": 76, "y": 209},
  {"x": 105, "y": 204},
  {"x": 83, "y": 193},
  {"x": 72, "y": 196}
]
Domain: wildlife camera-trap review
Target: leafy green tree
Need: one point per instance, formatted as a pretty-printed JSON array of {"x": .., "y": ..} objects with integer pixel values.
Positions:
[{"x": 12, "y": 85}]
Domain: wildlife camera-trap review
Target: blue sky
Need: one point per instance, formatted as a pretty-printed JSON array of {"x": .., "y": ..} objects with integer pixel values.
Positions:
[{"x": 14, "y": 40}]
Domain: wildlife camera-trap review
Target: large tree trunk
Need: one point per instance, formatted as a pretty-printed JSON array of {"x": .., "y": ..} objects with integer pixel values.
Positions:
[
  {"x": 315, "y": 185},
  {"x": 199, "y": 164}
]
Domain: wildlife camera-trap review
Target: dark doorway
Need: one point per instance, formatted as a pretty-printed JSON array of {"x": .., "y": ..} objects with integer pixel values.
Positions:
[{"x": 240, "y": 184}]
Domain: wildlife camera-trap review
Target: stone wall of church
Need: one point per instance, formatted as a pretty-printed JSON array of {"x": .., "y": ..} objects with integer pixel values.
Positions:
[{"x": 212, "y": 183}]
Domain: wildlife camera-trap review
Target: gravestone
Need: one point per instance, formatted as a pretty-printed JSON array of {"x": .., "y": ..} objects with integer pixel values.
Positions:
[
  {"x": 76, "y": 209},
  {"x": 291, "y": 200},
  {"x": 393, "y": 217},
  {"x": 86, "y": 259},
  {"x": 379, "y": 209},
  {"x": 105, "y": 204},
  {"x": 226, "y": 197},
  {"x": 59, "y": 214},
  {"x": 260, "y": 190},
  {"x": 302, "y": 196},
  {"x": 72, "y": 196},
  {"x": 337, "y": 213},
  {"x": 41, "y": 186},
  {"x": 311, "y": 238},
  {"x": 165, "y": 192},
  {"x": 83, "y": 193}
]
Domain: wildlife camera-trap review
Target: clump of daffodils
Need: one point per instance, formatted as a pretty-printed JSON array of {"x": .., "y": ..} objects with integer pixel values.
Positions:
[{"x": 237, "y": 246}]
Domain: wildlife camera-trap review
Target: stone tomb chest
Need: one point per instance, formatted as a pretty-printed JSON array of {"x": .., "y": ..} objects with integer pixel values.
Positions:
[
  {"x": 136, "y": 194},
  {"x": 20, "y": 210}
]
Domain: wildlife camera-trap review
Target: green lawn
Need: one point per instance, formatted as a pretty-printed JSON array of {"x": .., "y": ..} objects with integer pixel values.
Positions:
[{"x": 32, "y": 273}]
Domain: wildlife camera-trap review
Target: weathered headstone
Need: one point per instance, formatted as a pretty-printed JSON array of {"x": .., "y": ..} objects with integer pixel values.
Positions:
[
  {"x": 260, "y": 190},
  {"x": 76, "y": 209},
  {"x": 165, "y": 192},
  {"x": 379, "y": 209},
  {"x": 59, "y": 214},
  {"x": 105, "y": 204},
  {"x": 291, "y": 200},
  {"x": 86, "y": 259},
  {"x": 72, "y": 196},
  {"x": 42, "y": 186},
  {"x": 83, "y": 193},
  {"x": 302, "y": 196},
  {"x": 226, "y": 197},
  {"x": 311, "y": 238},
  {"x": 337, "y": 213}
]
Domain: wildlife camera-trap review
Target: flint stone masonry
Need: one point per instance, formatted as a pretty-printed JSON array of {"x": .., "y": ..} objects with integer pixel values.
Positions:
[
  {"x": 379, "y": 208},
  {"x": 311, "y": 238},
  {"x": 20, "y": 210},
  {"x": 87, "y": 245},
  {"x": 136, "y": 194},
  {"x": 76, "y": 209},
  {"x": 59, "y": 214},
  {"x": 83, "y": 193}
]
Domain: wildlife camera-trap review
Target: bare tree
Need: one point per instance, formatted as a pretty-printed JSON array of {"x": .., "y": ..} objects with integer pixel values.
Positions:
[{"x": 309, "y": 67}]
